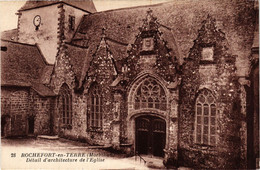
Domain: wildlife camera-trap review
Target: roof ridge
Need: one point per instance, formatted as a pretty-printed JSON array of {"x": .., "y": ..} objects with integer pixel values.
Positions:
[
  {"x": 17, "y": 42},
  {"x": 127, "y": 8},
  {"x": 32, "y": 45},
  {"x": 115, "y": 41},
  {"x": 26, "y": 7},
  {"x": 75, "y": 45},
  {"x": 29, "y": 8},
  {"x": 9, "y": 30}
]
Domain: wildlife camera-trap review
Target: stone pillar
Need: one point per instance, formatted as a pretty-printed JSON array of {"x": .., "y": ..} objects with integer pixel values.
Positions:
[
  {"x": 171, "y": 151},
  {"x": 243, "y": 130},
  {"x": 56, "y": 121},
  {"x": 116, "y": 135},
  {"x": 116, "y": 121}
]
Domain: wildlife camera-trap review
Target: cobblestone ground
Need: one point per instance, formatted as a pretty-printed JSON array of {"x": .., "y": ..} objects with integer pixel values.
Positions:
[{"x": 60, "y": 154}]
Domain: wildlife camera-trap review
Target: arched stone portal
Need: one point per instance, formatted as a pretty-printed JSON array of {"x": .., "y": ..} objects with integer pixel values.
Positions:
[{"x": 152, "y": 105}]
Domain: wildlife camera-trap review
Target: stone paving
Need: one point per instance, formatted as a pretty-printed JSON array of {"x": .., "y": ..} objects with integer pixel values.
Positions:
[
  {"x": 23, "y": 148},
  {"x": 51, "y": 154}
]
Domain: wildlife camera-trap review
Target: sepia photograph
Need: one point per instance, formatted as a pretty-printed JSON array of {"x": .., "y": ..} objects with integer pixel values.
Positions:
[{"x": 129, "y": 84}]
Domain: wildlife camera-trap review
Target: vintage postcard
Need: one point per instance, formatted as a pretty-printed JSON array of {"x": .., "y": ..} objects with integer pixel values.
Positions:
[{"x": 120, "y": 84}]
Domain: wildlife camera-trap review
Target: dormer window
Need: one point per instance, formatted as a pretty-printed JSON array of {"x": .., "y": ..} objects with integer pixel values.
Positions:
[
  {"x": 207, "y": 53},
  {"x": 148, "y": 44},
  {"x": 72, "y": 22}
]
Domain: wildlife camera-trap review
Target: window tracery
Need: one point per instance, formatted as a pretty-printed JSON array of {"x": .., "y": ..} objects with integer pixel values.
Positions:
[
  {"x": 150, "y": 95},
  {"x": 66, "y": 105},
  {"x": 205, "y": 118},
  {"x": 95, "y": 109}
]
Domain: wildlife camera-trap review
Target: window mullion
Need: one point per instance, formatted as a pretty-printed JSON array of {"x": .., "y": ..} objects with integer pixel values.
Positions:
[
  {"x": 65, "y": 103},
  {"x": 70, "y": 111},
  {"x": 65, "y": 111},
  {"x": 202, "y": 123},
  {"x": 101, "y": 112},
  {"x": 209, "y": 130},
  {"x": 196, "y": 121},
  {"x": 98, "y": 111},
  {"x": 99, "y": 121},
  {"x": 95, "y": 111}
]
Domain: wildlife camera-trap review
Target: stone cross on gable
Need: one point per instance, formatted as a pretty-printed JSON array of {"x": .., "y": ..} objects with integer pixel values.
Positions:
[
  {"x": 150, "y": 20},
  {"x": 149, "y": 15},
  {"x": 208, "y": 31},
  {"x": 103, "y": 36}
]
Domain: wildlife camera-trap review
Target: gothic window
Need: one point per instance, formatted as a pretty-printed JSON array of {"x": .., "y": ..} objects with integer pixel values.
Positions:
[
  {"x": 205, "y": 119},
  {"x": 66, "y": 106},
  {"x": 150, "y": 95},
  {"x": 95, "y": 108}
]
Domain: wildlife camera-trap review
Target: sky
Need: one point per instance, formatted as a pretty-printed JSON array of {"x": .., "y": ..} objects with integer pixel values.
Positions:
[{"x": 8, "y": 19}]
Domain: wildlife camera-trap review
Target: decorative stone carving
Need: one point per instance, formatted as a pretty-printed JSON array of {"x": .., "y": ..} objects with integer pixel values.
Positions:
[
  {"x": 148, "y": 44},
  {"x": 207, "y": 53}
]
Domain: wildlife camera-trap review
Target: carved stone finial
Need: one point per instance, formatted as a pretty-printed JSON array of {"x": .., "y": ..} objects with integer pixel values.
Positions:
[
  {"x": 149, "y": 11},
  {"x": 103, "y": 32},
  {"x": 149, "y": 22},
  {"x": 207, "y": 33}
]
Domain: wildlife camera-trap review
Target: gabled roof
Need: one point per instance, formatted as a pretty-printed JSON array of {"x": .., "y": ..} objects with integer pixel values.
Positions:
[
  {"x": 86, "y": 5},
  {"x": 23, "y": 65},
  {"x": 180, "y": 22},
  {"x": 79, "y": 59}
]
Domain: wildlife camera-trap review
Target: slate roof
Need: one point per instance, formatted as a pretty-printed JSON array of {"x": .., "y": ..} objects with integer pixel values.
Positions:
[
  {"x": 9, "y": 35},
  {"x": 23, "y": 65},
  {"x": 180, "y": 21},
  {"x": 86, "y": 5},
  {"x": 79, "y": 59}
]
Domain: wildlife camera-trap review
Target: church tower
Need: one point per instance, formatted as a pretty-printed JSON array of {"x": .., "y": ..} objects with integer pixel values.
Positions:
[{"x": 49, "y": 23}]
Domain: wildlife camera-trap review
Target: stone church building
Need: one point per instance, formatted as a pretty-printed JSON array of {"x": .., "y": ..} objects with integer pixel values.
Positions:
[{"x": 177, "y": 80}]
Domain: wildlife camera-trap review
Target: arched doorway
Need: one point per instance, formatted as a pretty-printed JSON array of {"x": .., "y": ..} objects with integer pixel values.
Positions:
[
  {"x": 3, "y": 126},
  {"x": 150, "y": 133},
  {"x": 31, "y": 125}
]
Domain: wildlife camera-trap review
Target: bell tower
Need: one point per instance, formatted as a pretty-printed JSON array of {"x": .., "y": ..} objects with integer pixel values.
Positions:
[{"x": 50, "y": 23}]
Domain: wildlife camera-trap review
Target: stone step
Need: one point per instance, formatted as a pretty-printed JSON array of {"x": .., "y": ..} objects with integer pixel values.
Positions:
[
  {"x": 184, "y": 168},
  {"x": 48, "y": 137}
]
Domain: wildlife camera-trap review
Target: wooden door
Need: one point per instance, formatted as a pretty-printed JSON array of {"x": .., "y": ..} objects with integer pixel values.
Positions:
[{"x": 150, "y": 135}]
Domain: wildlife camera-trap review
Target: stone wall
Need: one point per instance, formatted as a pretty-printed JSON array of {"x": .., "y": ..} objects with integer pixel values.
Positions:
[
  {"x": 64, "y": 73},
  {"x": 42, "y": 110},
  {"x": 78, "y": 14},
  {"x": 19, "y": 104},
  {"x": 54, "y": 27},
  {"x": 79, "y": 130},
  {"x": 218, "y": 76},
  {"x": 46, "y": 35},
  {"x": 15, "y": 106}
]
